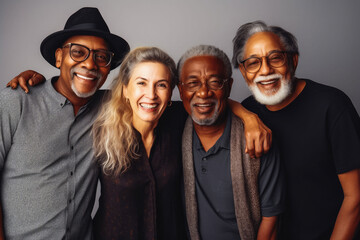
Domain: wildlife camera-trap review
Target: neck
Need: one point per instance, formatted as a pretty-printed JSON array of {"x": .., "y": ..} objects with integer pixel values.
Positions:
[
  {"x": 299, "y": 87},
  {"x": 76, "y": 101},
  {"x": 147, "y": 133},
  {"x": 208, "y": 135}
]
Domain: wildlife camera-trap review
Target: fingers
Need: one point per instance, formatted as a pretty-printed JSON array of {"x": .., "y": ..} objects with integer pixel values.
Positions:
[
  {"x": 259, "y": 142},
  {"x": 13, "y": 83},
  {"x": 23, "y": 84},
  {"x": 36, "y": 79},
  {"x": 259, "y": 147},
  {"x": 250, "y": 148},
  {"x": 23, "y": 79}
]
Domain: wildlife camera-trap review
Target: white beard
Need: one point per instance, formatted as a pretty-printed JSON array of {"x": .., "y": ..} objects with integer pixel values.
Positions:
[
  {"x": 87, "y": 94},
  {"x": 272, "y": 97},
  {"x": 207, "y": 121},
  {"x": 84, "y": 95}
]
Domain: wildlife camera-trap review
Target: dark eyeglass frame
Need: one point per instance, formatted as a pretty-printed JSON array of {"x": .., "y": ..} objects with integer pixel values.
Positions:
[
  {"x": 284, "y": 53},
  {"x": 69, "y": 45},
  {"x": 186, "y": 88}
]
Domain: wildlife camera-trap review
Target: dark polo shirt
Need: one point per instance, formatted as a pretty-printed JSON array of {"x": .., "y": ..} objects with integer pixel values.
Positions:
[{"x": 214, "y": 192}]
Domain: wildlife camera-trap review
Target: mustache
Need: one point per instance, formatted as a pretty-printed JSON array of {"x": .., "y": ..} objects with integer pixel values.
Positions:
[
  {"x": 83, "y": 71},
  {"x": 196, "y": 101},
  {"x": 268, "y": 77}
]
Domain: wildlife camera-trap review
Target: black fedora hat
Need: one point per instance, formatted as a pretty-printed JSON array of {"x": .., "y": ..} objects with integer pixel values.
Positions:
[{"x": 86, "y": 21}]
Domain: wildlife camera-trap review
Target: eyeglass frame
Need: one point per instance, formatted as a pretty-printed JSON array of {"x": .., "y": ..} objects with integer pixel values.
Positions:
[
  {"x": 267, "y": 60},
  {"x": 224, "y": 80},
  {"x": 89, "y": 50}
]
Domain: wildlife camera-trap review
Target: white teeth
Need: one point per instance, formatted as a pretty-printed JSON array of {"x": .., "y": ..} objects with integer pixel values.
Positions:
[
  {"x": 148, "y": 106},
  {"x": 203, "y": 105},
  {"x": 268, "y": 82},
  {"x": 86, "y": 78}
]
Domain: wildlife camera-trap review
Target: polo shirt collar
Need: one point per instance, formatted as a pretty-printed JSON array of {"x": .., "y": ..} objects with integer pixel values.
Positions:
[
  {"x": 62, "y": 100},
  {"x": 222, "y": 142}
]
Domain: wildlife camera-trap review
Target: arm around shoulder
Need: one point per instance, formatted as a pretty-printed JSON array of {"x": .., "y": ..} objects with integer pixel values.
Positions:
[
  {"x": 26, "y": 78},
  {"x": 258, "y": 136}
]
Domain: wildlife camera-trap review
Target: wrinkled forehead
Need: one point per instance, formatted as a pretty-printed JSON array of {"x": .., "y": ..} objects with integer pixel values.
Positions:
[
  {"x": 261, "y": 43},
  {"x": 200, "y": 65}
]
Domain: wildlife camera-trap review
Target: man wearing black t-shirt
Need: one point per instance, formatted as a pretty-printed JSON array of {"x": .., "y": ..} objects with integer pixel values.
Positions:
[{"x": 318, "y": 130}]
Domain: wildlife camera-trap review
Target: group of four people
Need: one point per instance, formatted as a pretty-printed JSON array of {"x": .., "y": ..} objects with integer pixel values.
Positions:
[{"x": 165, "y": 175}]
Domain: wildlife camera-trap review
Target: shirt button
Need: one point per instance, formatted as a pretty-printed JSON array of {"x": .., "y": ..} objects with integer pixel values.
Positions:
[
  {"x": 204, "y": 159},
  {"x": 203, "y": 170}
]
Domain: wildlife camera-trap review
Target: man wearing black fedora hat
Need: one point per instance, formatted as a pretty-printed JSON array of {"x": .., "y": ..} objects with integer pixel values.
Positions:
[{"x": 48, "y": 176}]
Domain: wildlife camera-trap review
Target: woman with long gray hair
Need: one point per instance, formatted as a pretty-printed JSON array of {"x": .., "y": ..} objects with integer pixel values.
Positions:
[{"x": 140, "y": 157}]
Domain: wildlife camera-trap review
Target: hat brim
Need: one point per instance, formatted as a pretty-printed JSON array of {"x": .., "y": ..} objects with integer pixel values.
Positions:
[{"x": 52, "y": 42}]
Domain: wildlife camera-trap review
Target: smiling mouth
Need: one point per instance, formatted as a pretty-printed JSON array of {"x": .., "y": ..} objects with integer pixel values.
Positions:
[
  {"x": 268, "y": 81},
  {"x": 84, "y": 77},
  {"x": 203, "y": 104},
  {"x": 149, "y": 106}
]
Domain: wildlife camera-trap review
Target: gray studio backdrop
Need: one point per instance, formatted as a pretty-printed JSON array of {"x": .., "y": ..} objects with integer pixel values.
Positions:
[{"x": 327, "y": 32}]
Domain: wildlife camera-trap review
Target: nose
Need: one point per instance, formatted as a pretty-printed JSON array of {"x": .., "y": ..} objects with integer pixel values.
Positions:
[
  {"x": 265, "y": 68},
  {"x": 203, "y": 91},
  {"x": 89, "y": 63},
  {"x": 151, "y": 92}
]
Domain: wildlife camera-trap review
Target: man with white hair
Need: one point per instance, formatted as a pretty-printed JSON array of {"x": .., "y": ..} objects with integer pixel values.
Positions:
[
  {"x": 318, "y": 130},
  {"x": 227, "y": 195}
]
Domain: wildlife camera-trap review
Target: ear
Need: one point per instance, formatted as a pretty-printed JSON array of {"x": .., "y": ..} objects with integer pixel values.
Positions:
[
  {"x": 58, "y": 57},
  {"x": 295, "y": 61},
  {"x": 229, "y": 86},
  {"x": 179, "y": 85}
]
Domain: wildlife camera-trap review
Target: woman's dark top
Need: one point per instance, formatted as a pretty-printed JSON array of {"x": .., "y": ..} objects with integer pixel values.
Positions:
[{"x": 145, "y": 202}]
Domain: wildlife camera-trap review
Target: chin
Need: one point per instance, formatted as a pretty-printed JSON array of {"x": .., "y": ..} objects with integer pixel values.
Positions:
[
  {"x": 286, "y": 89},
  {"x": 83, "y": 94}
]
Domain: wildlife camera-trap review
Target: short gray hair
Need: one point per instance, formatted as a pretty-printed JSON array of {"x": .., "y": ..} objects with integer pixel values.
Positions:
[
  {"x": 245, "y": 31},
  {"x": 206, "y": 50}
]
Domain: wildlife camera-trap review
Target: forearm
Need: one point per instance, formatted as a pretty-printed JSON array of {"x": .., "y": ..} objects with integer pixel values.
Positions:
[
  {"x": 267, "y": 229},
  {"x": 347, "y": 220},
  {"x": 239, "y": 110},
  {"x": 258, "y": 136}
]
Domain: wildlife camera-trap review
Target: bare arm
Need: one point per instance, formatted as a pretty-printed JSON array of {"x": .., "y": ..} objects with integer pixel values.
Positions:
[
  {"x": 27, "y": 77},
  {"x": 267, "y": 229},
  {"x": 349, "y": 215},
  {"x": 258, "y": 135}
]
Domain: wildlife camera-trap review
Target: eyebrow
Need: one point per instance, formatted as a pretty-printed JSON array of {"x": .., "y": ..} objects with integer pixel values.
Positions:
[
  {"x": 211, "y": 75},
  {"x": 145, "y": 79},
  {"x": 272, "y": 51}
]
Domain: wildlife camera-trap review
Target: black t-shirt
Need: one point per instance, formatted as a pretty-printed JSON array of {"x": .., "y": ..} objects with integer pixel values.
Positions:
[{"x": 319, "y": 137}]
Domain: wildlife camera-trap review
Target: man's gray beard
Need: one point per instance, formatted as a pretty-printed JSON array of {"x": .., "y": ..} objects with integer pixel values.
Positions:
[
  {"x": 84, "y": 95},
  {"x": 286, "y": 89},
  {"x": 207, "y": 121},
  {"x": 92, "y": 92}
]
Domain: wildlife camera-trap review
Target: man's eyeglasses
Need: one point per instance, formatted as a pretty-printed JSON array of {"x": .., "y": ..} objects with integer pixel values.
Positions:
[
  {"x": 80, "y": 53},
  {"x": 275, "y": 59},
  {"x": 213, "y": 83}
]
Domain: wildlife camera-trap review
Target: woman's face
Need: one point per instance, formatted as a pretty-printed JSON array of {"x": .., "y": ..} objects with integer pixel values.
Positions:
[{"x": 148, "y": 91}]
